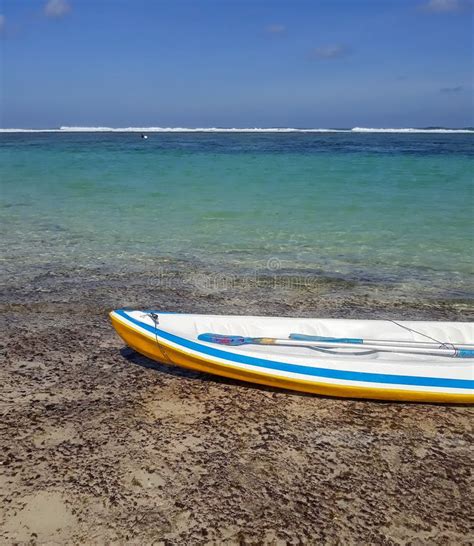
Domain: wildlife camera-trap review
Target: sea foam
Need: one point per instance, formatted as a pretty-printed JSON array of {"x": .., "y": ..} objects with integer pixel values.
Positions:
[
  {"x": 409, "y": 130},
  {"x": 202, "y": 130},
  {"x": 66, "y": 129}
]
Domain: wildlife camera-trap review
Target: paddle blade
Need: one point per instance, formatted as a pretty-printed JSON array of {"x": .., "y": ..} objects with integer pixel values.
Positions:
[
  {"x": 223, "y": 339},
  {"x": 303, "y": 337}
]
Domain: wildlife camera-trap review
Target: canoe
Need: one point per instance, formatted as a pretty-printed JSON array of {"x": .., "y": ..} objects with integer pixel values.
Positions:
[{"x": 432, "y": 375}]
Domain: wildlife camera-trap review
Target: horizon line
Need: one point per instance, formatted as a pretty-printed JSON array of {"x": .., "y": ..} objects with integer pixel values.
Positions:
[{"x": 104, "y": 129}]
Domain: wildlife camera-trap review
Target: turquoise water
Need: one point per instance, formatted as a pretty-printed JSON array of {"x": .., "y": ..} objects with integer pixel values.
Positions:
[{"x": 394, "y": 208}]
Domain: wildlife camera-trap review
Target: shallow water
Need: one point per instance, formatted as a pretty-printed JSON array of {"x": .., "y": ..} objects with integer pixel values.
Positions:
[{"x": 391, "y": 208}]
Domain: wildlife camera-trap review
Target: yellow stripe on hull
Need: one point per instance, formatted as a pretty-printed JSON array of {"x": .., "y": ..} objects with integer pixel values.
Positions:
[{"x": 148, "y": 346}]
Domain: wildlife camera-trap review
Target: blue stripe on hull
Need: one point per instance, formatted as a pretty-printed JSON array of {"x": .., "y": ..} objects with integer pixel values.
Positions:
[{"x": 391, "y": 379}]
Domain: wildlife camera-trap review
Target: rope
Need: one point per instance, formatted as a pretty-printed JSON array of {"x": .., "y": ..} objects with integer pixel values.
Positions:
[
  {"x": 442, "y": 344},
  {"x": 154, "y": 318}
]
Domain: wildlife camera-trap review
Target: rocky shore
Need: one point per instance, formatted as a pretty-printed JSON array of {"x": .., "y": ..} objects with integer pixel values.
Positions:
[{"x": 100, "y": 445}]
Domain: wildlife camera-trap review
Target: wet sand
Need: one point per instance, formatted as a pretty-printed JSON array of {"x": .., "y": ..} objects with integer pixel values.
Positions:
[{"x": 101, "y": 445}]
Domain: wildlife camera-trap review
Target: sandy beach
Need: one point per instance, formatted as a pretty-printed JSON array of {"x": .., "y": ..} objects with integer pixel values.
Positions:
[{"x": 101, "y": 445}]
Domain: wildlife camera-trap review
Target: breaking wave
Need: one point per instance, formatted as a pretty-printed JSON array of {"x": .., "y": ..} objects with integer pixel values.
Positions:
[
  {"x": 410, "y": 130},
  {"x": 66, "y": 129}
]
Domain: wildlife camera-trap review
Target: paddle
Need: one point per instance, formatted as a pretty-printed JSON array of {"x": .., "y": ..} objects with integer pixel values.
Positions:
[
  {"x": 233, "y": 341},
  {"x": 384, "y": 342}
]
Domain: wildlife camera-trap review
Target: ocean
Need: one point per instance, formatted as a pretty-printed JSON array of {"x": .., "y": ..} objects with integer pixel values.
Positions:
[{"x": 391, "y": 208}]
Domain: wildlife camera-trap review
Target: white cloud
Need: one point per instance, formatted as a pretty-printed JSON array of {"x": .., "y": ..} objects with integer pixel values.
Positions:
[
  {"x": 57, "y": 8},
  {"x": 2, "y": 22},
  {"x": 329, "y": 52},
  {"x": 450, "y": 90},
  {"x": 446, "y": 6},
  {"x": 276, "y": 29}
]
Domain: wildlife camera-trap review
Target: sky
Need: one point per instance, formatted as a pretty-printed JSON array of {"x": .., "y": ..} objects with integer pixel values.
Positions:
[{"x": 236, "y": 63}]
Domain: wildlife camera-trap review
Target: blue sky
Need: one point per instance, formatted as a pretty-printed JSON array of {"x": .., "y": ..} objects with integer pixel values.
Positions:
[{"x": 236, "y": 63}]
